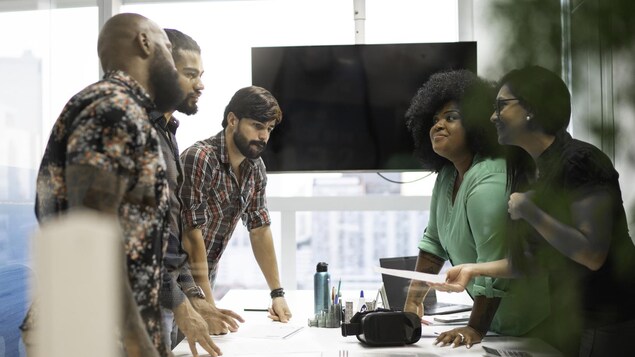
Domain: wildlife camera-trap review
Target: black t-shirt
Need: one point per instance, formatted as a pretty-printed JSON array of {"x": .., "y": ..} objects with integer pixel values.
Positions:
[{"x": 569, "y": 170}]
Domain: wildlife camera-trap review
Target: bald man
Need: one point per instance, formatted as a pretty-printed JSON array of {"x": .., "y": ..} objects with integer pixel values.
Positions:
[{"x": 104, "y": 154}]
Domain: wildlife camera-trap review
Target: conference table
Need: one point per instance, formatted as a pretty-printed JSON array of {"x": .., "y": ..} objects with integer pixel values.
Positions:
[{"x": 259, "y": 336}]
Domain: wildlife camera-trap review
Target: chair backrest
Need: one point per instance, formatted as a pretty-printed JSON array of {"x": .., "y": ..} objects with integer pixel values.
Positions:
[{"x": 14, "y": 301}]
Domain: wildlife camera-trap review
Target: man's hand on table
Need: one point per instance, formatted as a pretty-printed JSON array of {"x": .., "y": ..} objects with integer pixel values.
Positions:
[
  {"x": 219, "y": 321},
  {"x": 279, "y": 310},
  {"x": 195, "y": 329}
]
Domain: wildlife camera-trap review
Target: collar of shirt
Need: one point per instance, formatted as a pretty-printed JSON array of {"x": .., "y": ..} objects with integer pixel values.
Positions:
[
  {"x": 550, "y": 156},
  {"x": 126, "y": 80},
  {"x": 159, "y": 119}
]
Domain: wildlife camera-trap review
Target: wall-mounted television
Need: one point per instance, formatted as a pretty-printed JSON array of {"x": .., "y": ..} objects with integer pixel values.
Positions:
[{"x": 343, "y": 106}]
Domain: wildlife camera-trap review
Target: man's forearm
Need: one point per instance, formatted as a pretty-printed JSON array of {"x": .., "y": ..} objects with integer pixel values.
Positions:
[
  {"x": 194, "y": 245},
  {"x": 262, "y": 246}
]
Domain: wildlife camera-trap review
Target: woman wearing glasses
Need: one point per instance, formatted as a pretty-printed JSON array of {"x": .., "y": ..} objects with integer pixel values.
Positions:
[
  {"x": 569, "y": 220},
  {"x": 448, "y": 118}
]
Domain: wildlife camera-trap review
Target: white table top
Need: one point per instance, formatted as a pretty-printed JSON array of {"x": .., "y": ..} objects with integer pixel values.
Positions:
[{"x": 326, "y": 342}]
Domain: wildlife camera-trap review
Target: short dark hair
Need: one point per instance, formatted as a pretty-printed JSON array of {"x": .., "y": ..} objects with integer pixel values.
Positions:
[
  {"x": 181, "y": 42},
  {"x": 474, "y": 97},
  {"x": 543, "y": 94},
  {"x": 255, "y": 103}
]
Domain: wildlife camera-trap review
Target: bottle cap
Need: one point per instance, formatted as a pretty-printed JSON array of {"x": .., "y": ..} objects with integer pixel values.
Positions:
[{"x": 322, "y": 267}]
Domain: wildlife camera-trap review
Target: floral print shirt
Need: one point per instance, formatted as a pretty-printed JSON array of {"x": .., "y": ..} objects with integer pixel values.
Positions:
[{"x": 105, "y": 130}]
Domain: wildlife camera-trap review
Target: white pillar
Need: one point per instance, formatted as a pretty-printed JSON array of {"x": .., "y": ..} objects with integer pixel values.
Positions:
[
  {"x": 359, "y": 7},
  {"x": 466, "y": 20},
  {"x": 107, "y": 8}
]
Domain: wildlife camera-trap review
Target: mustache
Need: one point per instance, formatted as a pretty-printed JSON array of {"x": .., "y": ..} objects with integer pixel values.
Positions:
[{"x": 260, "y": 144}]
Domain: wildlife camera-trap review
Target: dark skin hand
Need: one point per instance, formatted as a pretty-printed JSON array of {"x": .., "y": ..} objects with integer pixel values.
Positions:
[{"x": 464, "y": 335}]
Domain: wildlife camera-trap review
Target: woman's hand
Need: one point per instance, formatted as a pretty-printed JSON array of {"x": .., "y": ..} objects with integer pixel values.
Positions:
[
  {"x": 519, "y": 203},
  {"x": 459, "y": 336},
  {"x": 456, "y": 279}
]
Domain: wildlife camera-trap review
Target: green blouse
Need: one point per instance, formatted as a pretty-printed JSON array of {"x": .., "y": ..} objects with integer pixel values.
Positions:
[{"x": 470, "y": 230}]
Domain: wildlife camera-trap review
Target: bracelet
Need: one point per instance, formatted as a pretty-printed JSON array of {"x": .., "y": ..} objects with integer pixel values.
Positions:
[{"x": 279, "y": 292}]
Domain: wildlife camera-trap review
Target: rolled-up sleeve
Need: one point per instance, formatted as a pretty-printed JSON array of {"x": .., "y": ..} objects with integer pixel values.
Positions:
[
  {"x": 170, "y": 295},
  {"x": 257, "y": 214}
]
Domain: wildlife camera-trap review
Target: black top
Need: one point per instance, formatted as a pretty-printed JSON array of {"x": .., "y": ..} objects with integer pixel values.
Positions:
[{"x": 569, "y": 170}]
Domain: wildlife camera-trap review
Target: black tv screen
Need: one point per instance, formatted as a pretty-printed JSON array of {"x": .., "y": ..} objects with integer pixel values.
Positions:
[{"x": 343, "y": 106}]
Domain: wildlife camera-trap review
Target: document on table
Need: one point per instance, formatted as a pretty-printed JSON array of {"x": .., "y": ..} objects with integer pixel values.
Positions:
[
  {"x": 275, "y": 330},
  {"x": 432, "y": 278}
]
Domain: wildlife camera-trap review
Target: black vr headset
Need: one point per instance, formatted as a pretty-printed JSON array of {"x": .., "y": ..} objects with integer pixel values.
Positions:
[{"x": 384, "y": 327}]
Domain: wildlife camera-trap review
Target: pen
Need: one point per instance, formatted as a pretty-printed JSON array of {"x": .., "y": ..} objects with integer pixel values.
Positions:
[{"x": 263, "y": 310}]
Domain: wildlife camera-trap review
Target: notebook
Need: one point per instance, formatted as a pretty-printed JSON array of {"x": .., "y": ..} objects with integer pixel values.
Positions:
[{"x": 397, "y": 289}]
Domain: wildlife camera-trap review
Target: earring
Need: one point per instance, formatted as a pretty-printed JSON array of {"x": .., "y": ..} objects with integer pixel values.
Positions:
[{"x": 528, "y": 117}]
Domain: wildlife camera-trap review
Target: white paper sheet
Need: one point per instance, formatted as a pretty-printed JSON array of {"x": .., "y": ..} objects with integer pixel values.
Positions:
[
  {"x": 433, "y": 278},
  {"x": 274, "y": 330}
]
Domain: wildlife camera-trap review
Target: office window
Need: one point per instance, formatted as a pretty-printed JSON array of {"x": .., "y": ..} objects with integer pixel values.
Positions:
[{"x": 46, "y": 57}]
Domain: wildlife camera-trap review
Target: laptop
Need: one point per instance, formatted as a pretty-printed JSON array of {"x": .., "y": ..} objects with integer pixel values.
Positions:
[{"x": 397, "y": 289}]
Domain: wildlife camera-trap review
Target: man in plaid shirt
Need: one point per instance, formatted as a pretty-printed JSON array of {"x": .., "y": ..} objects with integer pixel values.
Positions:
[{"x": 224, "y": 181}]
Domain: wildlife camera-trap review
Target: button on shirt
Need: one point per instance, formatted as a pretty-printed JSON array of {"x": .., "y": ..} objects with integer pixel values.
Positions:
[
  {"x": 106, "y": 127},
  {"x": 214, "y": 199}
]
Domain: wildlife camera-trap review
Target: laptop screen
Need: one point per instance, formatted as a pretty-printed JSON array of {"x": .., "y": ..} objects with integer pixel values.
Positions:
[{"x": 396, "y": 287}]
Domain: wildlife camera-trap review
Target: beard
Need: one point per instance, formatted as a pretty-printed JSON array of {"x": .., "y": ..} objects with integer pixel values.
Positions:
[
  {"x": 186, "y": 108},
  {"x": 246, "y": 147},
  {"x": 164, "y": 79}
]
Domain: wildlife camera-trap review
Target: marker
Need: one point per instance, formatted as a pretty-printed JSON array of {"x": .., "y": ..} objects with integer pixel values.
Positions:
[{"x": 263, "y": 310}]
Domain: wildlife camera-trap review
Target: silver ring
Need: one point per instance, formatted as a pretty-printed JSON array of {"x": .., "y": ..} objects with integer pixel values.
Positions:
[{"x": 462, "y": 336}]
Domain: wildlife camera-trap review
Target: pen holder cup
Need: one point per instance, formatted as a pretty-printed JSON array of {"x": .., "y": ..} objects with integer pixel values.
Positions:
[{"x": 331, "y": 318}]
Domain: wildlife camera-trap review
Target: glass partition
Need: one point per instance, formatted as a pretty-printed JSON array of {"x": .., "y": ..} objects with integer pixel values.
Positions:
[{"x": 47, "y": 56}]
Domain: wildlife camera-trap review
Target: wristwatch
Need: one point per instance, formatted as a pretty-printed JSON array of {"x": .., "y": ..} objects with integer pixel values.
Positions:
[{"x": 195, "y": 292}]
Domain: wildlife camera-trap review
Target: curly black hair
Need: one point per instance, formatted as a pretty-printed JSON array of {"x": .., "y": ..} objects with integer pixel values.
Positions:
[{"x": 474, "y": 97}]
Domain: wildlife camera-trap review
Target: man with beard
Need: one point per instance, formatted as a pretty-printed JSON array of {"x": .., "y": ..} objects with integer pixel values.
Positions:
[
  {"x": 189, "y": 315},
  {"x": 103, "y": 154},
  {"x": 224, "y": 181}
]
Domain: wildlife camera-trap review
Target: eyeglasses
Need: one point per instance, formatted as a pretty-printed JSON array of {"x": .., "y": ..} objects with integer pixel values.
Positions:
[{"x": 498, "y": 106}]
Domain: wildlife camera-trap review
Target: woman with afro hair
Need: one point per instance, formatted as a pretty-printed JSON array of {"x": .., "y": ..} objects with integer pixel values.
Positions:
[{"x": 449, "y": 121}]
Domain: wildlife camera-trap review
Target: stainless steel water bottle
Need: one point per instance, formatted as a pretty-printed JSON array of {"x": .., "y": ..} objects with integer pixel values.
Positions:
[{"x": 321, "y": 283}]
